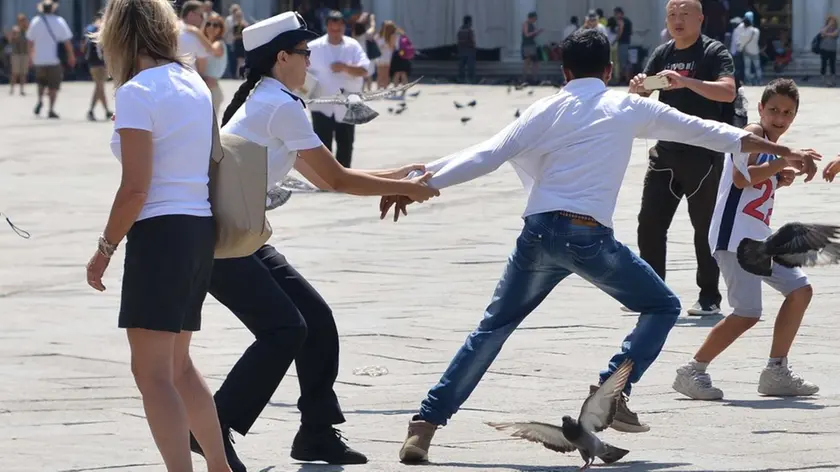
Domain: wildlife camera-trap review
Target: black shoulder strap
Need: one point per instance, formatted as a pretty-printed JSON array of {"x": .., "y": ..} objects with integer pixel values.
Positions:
[
  {"x": 295, "y": 97},
  {"x": 49, "y": 30}
]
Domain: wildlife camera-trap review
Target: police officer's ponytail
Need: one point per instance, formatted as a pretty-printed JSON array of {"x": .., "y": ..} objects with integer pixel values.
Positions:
[{"x": 251, "y": 80}]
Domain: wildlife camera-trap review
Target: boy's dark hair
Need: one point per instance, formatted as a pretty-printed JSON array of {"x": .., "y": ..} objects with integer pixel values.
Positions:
[
  {"x": 467, "y": 20},
  {"x": 586, "y": 53},
  {"x": 190, "y": 6},
  {"x": 784, "y": 87}
]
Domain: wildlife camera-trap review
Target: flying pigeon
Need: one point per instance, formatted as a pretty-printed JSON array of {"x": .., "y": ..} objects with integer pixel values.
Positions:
[
  {"x": 472, "y": 103},
  {"x": 458, "y": 105},
  {"x": 277, "y": 196},
  {"x": 516, "y": 115},
  {"x": 415, "y": 94},
  {"x": 792, "y": 245},
  {"x": 521, "y": 86},
  {"x": 530, "y": 92},
  {"x": 400, "y": 110},
  {"x": 357, "y": 112},
  {"x": 465, "y": 119},
  {"x": 596, "y": 414}
]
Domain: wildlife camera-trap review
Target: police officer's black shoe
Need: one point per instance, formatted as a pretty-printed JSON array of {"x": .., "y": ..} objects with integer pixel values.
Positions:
[
  {"x": 324, "y": 443},
  {"x": 235, "y": 464}
]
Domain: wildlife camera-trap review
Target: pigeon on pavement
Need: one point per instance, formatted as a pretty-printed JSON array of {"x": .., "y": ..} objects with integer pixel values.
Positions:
[
  {"x": 596, "y": 414},
  {"x": 357, "y": 112},
  {"x": 792, "y": 245}
]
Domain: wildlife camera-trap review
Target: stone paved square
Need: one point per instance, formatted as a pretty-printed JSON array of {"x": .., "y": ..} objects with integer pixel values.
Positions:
[{"x": 404, "y": 295}]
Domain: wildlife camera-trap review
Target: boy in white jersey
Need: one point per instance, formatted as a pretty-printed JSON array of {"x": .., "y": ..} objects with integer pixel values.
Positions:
[{"x": 743, "y": 210}]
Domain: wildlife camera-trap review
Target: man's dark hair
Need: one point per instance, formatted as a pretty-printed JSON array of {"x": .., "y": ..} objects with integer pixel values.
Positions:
[
  {"x": 574, "y": 20},
  {"x": 784, "y": 87},
  {"x": 599, "y": 12},
  {"x": 586, "y": 53},
  {"x": 190, "y": 6},
  {"x": 467, "y": 20},
  {"x": 335, "y": 15},
  {"x": 618, "y": 10},
  {"x": 532, "y": 14}
]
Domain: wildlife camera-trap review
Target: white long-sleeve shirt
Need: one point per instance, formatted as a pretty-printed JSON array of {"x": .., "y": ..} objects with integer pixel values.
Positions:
[{"x": 571, "y": 150}]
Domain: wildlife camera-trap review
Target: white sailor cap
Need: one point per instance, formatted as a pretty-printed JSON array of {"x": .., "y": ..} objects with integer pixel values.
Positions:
[{"x": 290, "y": 25}]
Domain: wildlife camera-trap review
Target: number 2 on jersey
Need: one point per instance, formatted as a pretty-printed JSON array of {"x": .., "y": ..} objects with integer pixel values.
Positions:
[{"x": 751, "y": 208}]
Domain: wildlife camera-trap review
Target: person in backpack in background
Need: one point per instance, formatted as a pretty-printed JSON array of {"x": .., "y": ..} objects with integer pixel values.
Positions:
[
  {"x": 96, "y": 65},
  {"x": 702, "y": 83},
  {"x": 45, "y": 34},
  {"x": 828, "y": 50},
  {"x": 401, "y": 60}
]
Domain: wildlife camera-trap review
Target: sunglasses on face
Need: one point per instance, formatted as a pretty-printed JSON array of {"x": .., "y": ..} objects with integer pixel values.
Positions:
[
  {"x": 214, "y": 25},
  {"x": 302, "y": 52}
]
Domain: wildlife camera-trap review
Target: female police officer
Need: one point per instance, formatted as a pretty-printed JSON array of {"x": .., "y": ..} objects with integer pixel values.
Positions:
[{"x": 285, "y": 313}]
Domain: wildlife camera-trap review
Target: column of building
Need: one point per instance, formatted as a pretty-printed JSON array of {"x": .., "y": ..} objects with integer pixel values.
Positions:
[{"x": 807, "y": 21}]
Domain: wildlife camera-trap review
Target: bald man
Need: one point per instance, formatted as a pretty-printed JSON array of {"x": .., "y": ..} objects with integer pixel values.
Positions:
[{"x": 701, "y": 74}]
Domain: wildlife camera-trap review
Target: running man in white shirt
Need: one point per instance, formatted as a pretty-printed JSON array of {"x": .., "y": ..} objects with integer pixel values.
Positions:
[
  {"x": 743, "y": 210},
  {"x": 571, "y": 150}
]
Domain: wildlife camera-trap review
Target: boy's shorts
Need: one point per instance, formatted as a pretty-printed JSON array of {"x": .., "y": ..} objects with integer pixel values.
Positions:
[{"x": 744, "y": 289}]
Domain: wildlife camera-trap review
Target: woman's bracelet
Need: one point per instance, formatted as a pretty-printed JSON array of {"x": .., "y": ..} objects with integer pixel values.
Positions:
[{"x": 105, "y": 248}]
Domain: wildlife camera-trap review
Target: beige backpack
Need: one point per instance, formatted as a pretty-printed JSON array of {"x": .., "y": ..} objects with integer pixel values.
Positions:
[{"x": 238, "y": 176}]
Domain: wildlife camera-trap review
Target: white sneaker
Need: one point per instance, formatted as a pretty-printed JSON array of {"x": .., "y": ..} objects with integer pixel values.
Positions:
[
  {"x": 704, "y": 309},
  {"x": 782, "y": 381},
  {"x": 695, "y": 384}
]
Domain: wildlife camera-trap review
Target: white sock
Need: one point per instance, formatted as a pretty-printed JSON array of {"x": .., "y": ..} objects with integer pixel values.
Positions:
[
  {"x": 699, "y": 366},
  {"x": 776, "y": 361}
]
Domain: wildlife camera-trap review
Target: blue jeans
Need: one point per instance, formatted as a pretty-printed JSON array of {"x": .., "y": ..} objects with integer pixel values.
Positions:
[
  {"x": 550, "y": 248},
  {"x": 466, "y": 66},
  {"x": 752, "y": 62}
]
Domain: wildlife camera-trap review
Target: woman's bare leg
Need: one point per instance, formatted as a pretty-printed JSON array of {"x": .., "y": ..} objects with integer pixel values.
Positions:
[
  {"x": 201, "y": 409},
  {"x": 383, "y": 76},
  {"x": 152, "y": 354}
]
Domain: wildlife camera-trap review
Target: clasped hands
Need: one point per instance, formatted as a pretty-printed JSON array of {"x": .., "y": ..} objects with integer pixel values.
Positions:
[
  {"x": 803, "y": 161},
  {"x": 400, "y": 202}
]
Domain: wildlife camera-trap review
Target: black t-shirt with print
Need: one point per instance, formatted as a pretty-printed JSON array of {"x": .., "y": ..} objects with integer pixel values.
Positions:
[{"x": 708, "y": 60}]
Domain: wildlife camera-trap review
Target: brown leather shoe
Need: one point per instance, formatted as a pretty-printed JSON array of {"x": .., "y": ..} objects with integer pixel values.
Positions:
[{"x": 415, "y": 449}]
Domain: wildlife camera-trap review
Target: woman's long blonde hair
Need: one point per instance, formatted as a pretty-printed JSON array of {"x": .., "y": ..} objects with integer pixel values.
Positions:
[
  {"x": 389, "y": 31},
  {"x": 131, "y": 28}
]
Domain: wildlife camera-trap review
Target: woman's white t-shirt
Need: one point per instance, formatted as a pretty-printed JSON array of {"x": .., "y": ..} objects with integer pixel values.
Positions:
[
  {"x": 271, "y": 117},
  {"x": 174, "y": 104}
]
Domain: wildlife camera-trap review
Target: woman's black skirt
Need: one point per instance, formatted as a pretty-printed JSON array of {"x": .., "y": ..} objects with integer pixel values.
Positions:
[{"x": 168, "y": 265}]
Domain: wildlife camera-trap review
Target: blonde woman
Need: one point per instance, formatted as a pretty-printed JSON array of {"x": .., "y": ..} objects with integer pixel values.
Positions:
[
  {"x": 828, "y": 49},
  {"x": 162, "y": 136},
  {"x": 20, "y": 54},
  {"x": 388, "y": 42},
  {"x": 213, "y": 40}
]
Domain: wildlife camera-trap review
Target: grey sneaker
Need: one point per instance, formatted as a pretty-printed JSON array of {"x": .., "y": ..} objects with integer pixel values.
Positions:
[
  {"x": 695, "y": 384},
  {"x": 704, "y": 309},
  {"x": 625, "y": 420},
  {"x": 415, "y": 449},
  {"x": 782, "y": 381}
]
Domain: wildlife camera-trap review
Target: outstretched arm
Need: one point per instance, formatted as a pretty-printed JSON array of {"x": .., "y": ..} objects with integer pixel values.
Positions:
[{"x": 660, "y": 121}]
